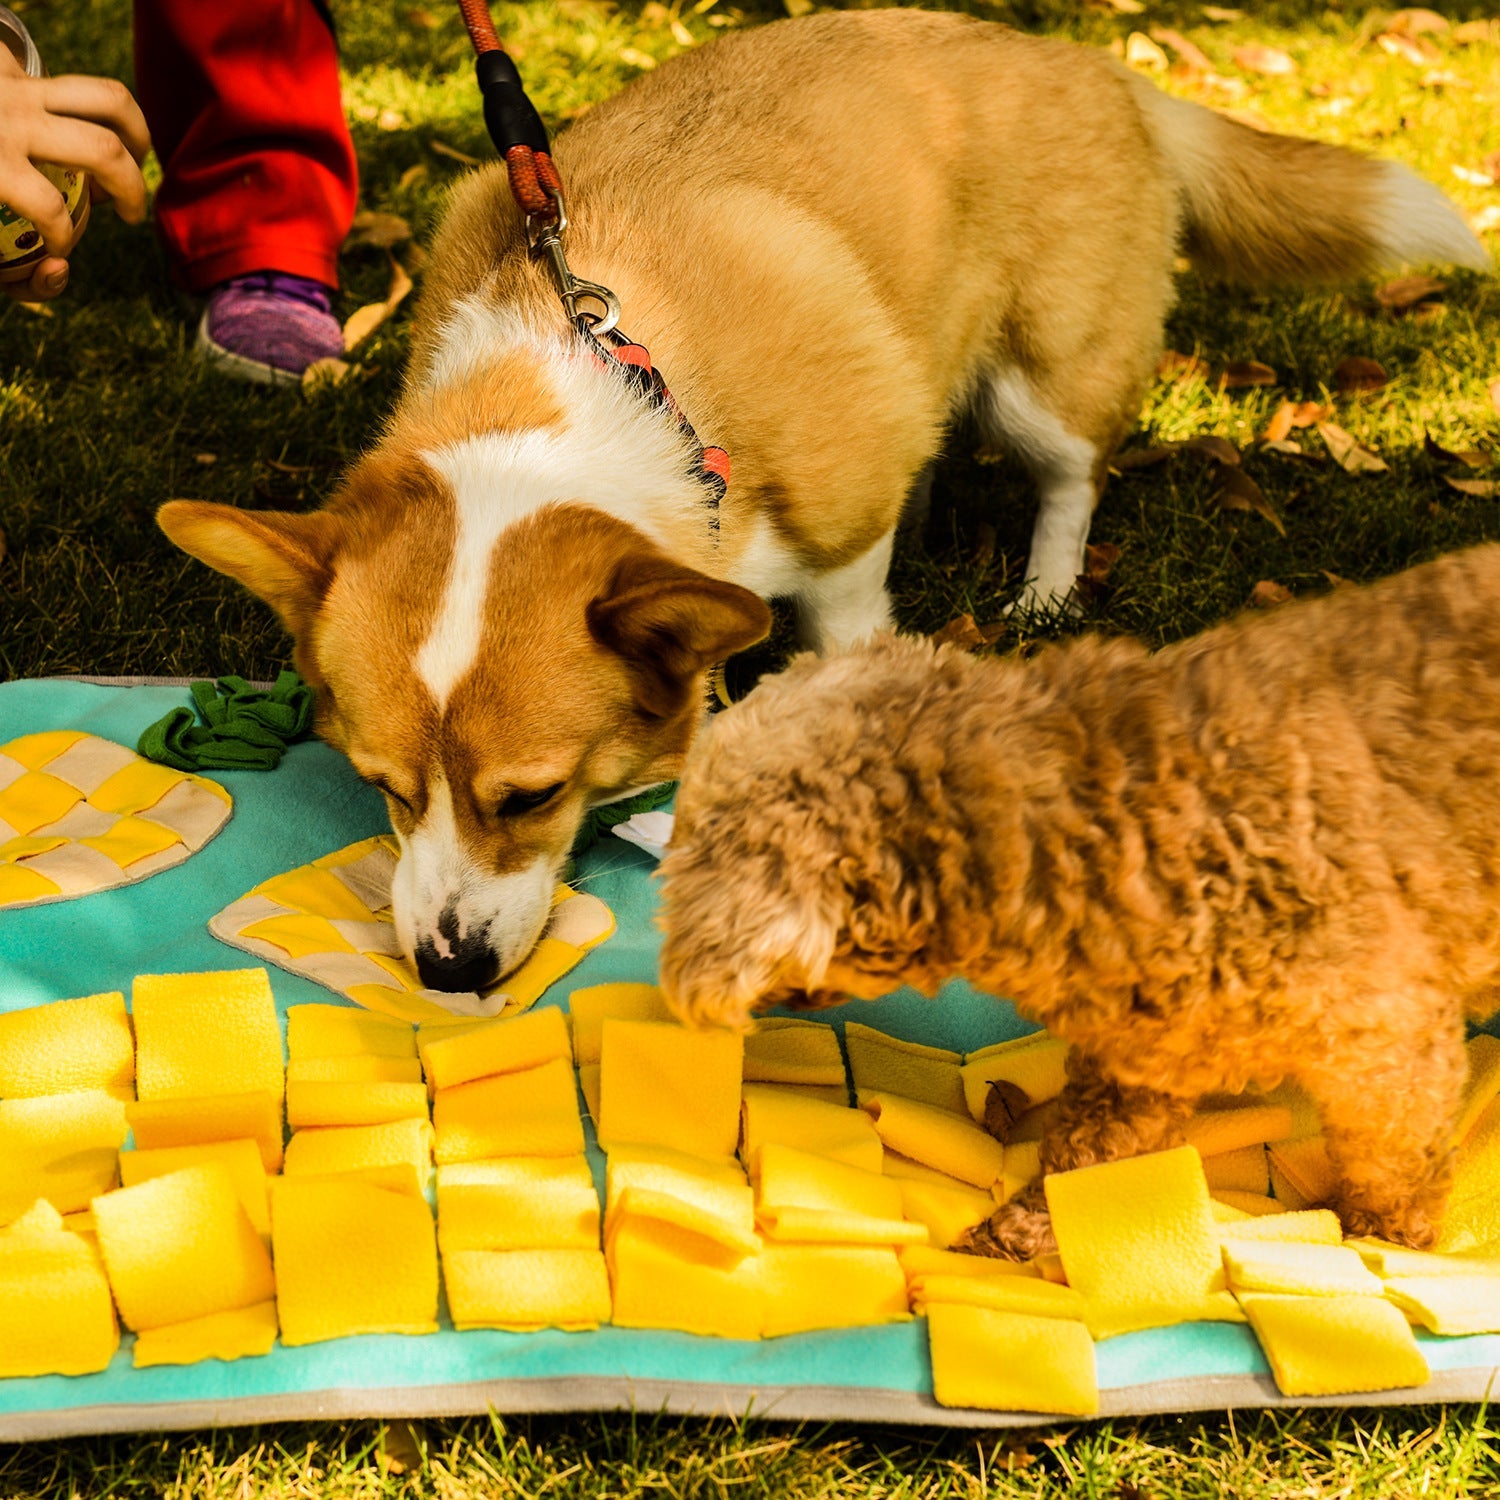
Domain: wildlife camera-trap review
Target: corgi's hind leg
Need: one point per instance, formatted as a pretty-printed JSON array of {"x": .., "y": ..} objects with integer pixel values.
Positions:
[{"x": 1068, "y": 469}]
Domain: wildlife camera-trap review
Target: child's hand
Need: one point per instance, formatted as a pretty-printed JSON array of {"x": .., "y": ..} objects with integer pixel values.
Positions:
[{"x": 90, "y": 123}]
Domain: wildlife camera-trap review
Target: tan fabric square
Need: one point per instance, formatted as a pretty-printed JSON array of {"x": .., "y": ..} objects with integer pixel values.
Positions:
[{"x": 90, "y": 763}]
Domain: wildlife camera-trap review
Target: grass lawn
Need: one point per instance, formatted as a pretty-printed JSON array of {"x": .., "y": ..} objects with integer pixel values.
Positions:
[{"x": 103, "y": 415}]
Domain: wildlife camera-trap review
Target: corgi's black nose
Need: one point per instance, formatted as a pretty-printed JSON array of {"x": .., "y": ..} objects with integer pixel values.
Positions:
[{"x": 469, "y": 966}]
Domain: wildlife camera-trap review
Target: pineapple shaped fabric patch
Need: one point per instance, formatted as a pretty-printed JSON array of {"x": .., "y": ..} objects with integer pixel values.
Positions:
[
  {"x": 331, "y": 921},
  {"x": 80, "y": 814}
]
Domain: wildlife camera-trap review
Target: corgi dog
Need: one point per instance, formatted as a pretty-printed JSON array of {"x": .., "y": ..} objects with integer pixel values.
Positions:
[{"x": 835, "y": 234}]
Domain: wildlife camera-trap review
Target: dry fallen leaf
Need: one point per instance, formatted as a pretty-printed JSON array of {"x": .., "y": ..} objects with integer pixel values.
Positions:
[
  {"x": 1272, "y": 62},
  {"x": 1418, "y": 51},
  {"x": 442, "y": 148},
  {"x": 1238, "y": 491},
  {"x": 205, "y": 459},
  {"x": 38, "y": 309},
  {"x": 1350, "y": 455},
  {"x": 365, "y": 320},
  {"x": 1473, "y": 458},
  {"x": 962, "y": 632},
  {"x": 1267, "y": 594},
  {"x": 1246, "y": 372},
  {"x": 1407, "y": 292},
  {"x": 993, "y": 631},
  {"x": 413, "y": 174},
  {"x": 1333, "y": 578},
  {"x": 1482, "y": 489},
  {"x": 1099, "y": 558},
  {"x": 1142, "y": 52},
  {"x": 1175, "y": 366},
  {"x": 323, "y": 372},
  {"x": 1415, "y": 22},
  {"x": 1287, "y": 448},
  {"x": 1472, "y": 32},
  {"x": 1310, "y": 413},
  {"x": 380, "y": 230},
  {"x": 1221, "y": 450},
  {"x": 1281, "y": 423},
  {"x": 1188, "y": 51},
  {"x": 1142, "y": 458},
  {"x": 1356, "y": 374},
  {"x": 1126, "y": 7}
]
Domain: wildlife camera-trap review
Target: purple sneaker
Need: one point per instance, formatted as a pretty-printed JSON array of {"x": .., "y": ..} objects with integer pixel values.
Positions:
[{"x": 268, "y": 327}]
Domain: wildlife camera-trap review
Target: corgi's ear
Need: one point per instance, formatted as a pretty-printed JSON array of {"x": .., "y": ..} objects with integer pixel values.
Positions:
[
  {"x": 670, "y": 623},
  {"x": 284, "y": 558}
]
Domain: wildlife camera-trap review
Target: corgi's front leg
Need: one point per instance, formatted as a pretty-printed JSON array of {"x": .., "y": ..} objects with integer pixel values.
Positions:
[{"x": 838, "y": 608}]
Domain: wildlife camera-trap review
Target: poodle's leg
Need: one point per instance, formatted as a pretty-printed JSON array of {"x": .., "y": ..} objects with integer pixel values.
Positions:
[
  {"x": 1388, "y": 1101},
  {"x": 1097, "y": 1120},
  {"x": 843, "y": 606}
]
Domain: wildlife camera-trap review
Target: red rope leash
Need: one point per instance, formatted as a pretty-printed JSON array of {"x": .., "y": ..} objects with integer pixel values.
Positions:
[{"x": 513, "y": 122}]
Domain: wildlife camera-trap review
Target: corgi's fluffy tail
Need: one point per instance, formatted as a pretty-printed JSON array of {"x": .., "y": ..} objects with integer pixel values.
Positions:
[{"x": 1261, "y": 209}]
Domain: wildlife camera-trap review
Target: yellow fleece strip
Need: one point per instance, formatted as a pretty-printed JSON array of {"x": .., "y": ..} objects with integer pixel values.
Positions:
[
  {"x": 66, "y": 1046},
  {"x": 1334, "y": 1346},
  {"x": 881, "y": 1064},
  {"x": 1008, "y": 1361}
]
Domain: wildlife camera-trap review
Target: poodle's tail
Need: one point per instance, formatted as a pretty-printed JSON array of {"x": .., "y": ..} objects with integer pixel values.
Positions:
[{"x": 1261, "y": 209}]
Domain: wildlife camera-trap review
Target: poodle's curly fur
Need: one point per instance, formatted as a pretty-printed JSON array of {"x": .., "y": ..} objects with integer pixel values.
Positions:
[{"x": 1272, "y": 851}]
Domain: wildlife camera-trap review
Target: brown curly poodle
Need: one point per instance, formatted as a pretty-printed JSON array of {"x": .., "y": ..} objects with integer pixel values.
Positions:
[{"x": 1272, "y": 851}]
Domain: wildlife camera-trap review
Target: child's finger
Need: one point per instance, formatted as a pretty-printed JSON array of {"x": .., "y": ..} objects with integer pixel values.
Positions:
[
  {"x": 104, "y": 101},
  {"x": 96, "y": 149},
  {"x": 29, "y": 194}
]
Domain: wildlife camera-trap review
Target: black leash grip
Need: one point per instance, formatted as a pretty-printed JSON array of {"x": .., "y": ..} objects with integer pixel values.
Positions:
[{"x": 509, "y": 116}]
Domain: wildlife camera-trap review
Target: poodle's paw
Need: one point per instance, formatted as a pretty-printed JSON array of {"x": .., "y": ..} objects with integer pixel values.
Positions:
[
  {"x": 1411, "y": 1223},
  {"x": 1012, "y": 1232}
]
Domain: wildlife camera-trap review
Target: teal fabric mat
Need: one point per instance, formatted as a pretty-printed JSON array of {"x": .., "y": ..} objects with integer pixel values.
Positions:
[{"x": 314, "y": 804}]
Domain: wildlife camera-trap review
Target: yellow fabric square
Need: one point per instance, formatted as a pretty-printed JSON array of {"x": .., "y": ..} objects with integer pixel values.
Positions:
[
  {"x": 398, "y": 1154},
  {"x": 181, "y": 1247},
  {"x": 1313, "y": 1226},
  {"x": 206, "y": 1034},
  {"x": 1294, "y": 1269},
  {"x": 521, "y": 1203},
  {"x": 1016, "y": 1294},
  {"x": 592, "y": 1006},
  {"x": 928, "y": 1260},
  {"x": 1006, "y": 1361},
  {"x": 534, "y": 1113},
  {"x": 937, "y": 1138},
  {"x": 544, "y": 966},
  {"x": 240, "y": 1333},
  {"x": 314, "y": 1031},
  {"x": 61, "y": 1147},
  {"x": 355, "y": 1069},
  {"x": 1138, "y": 1239},
  {"x": 1387, "y": 1260},
  {"x": 786, "y": 1049},
  {"x": 66, "y": 1046},
  {"x": 30, "y": 847},
  {"x": 1217, "y": 1131},
  {"x": 1036, "y": 1064},
  {"x": 133, "y": 839},
  {"x": 829, "y": 1286},
  {"x": 1023, "y": 1164},
  {"x": 216, "y": 1117},
  {"x": 241, "y": 1159},
  {"x": 1448, "y": 1304},
  {"x": 882, "y": 1064},
  {"x": 896, "y": 1165},
  {"x": 136, "y": 787},
  {"x": 663, "y": 1085},
  {"x": 1482, "y": 1085},
  {"x": 37, "y": 750},
  {"x": 318, "y": 892},
  {"x": 1472, "y": 1219},
  {"x": 351, "y": 1258},
  {"x": 774, "y": 1114},
  {"x": 1243, "y": 1171},
  {"x": 524, "y": 1290},
  {"x": 946, "y": 1212},
  {"x": 1303, "y": 1166},
  {"x": 299, "y": 935},
  {"x": 636, "y": 1204},
  {"x": 718, "y": 1191},
  {"x": 389, "y": 1001},
  {"x": 18, "y": 884},
  {"x": 807, "y": 1198},
  {"x": 55, "y": 1307},
  {"x": 498, "y": 1047},
  {"x": 36, "y": 799},
  {"x": 664, "y": 1276},
  {"x": 344, "y": 1103},
  {"x": 1249, "y": 1205},
  {"x": 403, "y": 972},
  {"x": 1333, "y": 1346}
]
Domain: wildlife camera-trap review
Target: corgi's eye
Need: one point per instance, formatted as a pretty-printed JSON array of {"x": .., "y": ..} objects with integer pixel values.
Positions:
[
  {"x": 524, "y": 802},
  {"x": 395, "y": 796}
]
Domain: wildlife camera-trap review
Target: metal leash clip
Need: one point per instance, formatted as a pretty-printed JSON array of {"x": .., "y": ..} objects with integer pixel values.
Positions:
[{"x": 546, "y": 240}]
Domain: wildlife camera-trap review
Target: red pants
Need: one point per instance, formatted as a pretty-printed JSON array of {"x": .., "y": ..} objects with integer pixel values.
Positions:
[{"x": 258, "y": 170}]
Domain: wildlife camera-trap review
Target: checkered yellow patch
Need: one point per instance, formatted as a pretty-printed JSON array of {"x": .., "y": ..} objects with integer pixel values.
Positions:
[
  {"x": 80, "y": 814},
  {"x": 331, "y": 921}
]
